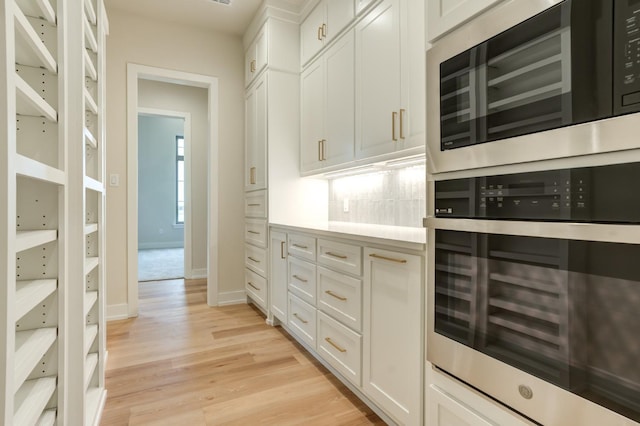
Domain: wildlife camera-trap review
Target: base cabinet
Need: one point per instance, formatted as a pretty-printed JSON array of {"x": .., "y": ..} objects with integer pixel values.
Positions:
[{"x": 278, "y": 289}]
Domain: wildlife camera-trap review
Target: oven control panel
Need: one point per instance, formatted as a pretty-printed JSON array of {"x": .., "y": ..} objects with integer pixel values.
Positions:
[{"x": 627, "y": 56}]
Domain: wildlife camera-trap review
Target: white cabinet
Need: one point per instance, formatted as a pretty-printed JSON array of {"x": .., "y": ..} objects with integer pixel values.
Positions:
[
  {"x": 392, "y": 333},
  {"x": 324, "y": 22},
  {"x": 444, "y": 15},
  {"x": 278, "y": 278},
  {"x": 327, "y": 107},
  {"x": 256, "y": 136},
  {"x": 452, "y": 403},
  {"x": 256, "y": 56},
  {"x": 390, "y": 79}
]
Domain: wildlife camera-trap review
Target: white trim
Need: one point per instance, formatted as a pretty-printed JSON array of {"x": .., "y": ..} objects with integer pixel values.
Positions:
[
  {"x": 163, "y": 245},
  {"x": 135, "y": 72},
  {"x": 232, "y": 298},
  {"x": 117, "y": 312},
  {"x": 187, "y": 234},
  {"x": 195, "y": 274}
]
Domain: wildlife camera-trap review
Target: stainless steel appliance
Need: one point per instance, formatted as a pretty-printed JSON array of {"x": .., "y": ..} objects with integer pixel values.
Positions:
[{"x": 534, "y": 80}]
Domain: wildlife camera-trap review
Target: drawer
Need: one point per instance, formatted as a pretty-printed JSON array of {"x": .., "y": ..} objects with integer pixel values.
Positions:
[
  {"x": 302, "y": 280},
  {"x": 302, "y": 320},
  {"x": 339, "y": 256},
  {"x": 256, "y": 287},
  {"x": 340, "y": 296},
  {"x": 340, "y": 347},
  {"x": 255, "y": 204},
  {"x": 255, "y": 232},
  {"x": 255, "y": 258},
  {"x": 302, "y": 246}
]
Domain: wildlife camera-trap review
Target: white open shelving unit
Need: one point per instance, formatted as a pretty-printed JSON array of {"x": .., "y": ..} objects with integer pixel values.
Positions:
[{"x": 52, "y": 216}]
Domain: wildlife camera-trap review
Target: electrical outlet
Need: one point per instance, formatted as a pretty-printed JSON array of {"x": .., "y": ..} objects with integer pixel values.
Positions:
[{"x": 345, "y": 205}]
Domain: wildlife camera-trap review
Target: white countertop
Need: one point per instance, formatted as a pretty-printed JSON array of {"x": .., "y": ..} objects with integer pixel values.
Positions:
[{"x": 363, "y": 231}]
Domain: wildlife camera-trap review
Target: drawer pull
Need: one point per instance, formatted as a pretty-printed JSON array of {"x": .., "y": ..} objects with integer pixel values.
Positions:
[
  {"x": 332, "y": 343},
  {"x": 330, "y": 293},
  {"x": 254, "y": 205},
  {"x": 339, "y": 256},
  {"x": 251, "y": 285},
  {"x": 254, "y": 232},
  {"x": 301, "y": 319},
  {"x": 253, "y": 260},
  {"x": 300, "y": 246},
  {"x": 282, "y": 256},
  {"x": 300, "y": 279},
  {"x": 390, "y": 259}
]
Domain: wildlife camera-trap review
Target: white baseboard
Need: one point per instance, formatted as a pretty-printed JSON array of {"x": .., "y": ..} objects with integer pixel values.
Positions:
[
  {"x": 117, "y": 312},
  {"x": 196, "y": 274},
  {"x": 232, "y": 298},
  {"x": 165, "y": 245}
]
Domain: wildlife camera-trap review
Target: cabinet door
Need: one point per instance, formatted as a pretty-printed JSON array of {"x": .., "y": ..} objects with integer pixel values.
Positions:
[
  {"x": 261, "y": 50},
  {"x": 392, "y": 333},
  {"x": 339, "y": 129},
  {"x": 256, "y": 137},
  {"x": 379, "y": 80},
  {"x": 312, "y": 117},
  {"x": 278, "y": 277},
  {"x": 444, "y": 15},
  {"x": 339, "y": 14},
  {"x": 250, "y": 64},
  {"x": 311, "y": 35}
]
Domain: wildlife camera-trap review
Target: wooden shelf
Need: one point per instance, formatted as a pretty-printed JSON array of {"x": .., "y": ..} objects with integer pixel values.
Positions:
[
  {"x": 89, "y": 368},
  {"x": 30, "y": 50},
  {"x": 30, "y": 293},
  {"x": 89, "y": 67},
  {"x": 90, "y": 299},
  {"x": 89, "y": 37},
  {"x": 31, "y": 400},
  {"x": 38, "y": 9},
  {"x": 90, "y": 104},
  {"x": 30, "y": 239},
  {"x": 33, "y": 169},
  {"x": 536, "y": 94},
  {"x": 90, "y": 228},
  {"x": 28, "y": 102},
  {"x": 89, "y": 139},
  {"x": 93, "y": 184},
  {"x": 48, "y": 418},
  {"x": 31, "y": 346},
  {"x": 90, "y": 336},
  {"x": 90, "y": 264},
  {"x": 90, "y": 12}
]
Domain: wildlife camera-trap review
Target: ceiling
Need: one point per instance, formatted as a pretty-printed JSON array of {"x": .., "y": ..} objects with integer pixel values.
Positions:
[{"x": 205, "y": 14}]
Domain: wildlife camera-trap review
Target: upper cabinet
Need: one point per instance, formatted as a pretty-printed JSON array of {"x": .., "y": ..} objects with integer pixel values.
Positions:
[
  {"x": 255, "y": 153},
  {"x": 444, "y": 15},
  {"x": 325, "y": 21},
  {"x": 256, "y": 56}
]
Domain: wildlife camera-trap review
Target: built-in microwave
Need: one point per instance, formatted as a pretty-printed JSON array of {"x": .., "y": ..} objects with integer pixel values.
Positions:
[{"x": 533, "y": 80}]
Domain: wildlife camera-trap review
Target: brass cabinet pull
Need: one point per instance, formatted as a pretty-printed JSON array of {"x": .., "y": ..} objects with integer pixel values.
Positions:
[
  {"x": 253, "y": 260},
  {"x": 394, "y": 117},
  {"x": 332, "y": 343},
  {"x": 320, "y": 150},
  {"x": 282, "y": 244},
  {"x": 252, "y": 175},
  {"x": 390, "y": 259},
  {"x": 300, "y": 246},
  {"x": 330, "y": 293},
  {"x": 402, "y": 111},
  {"x": 254, "y": 204},
  {"x": 339, "y": 256},
  {"x": 324, "y": 30},
  {"x": 254, "y": 232},
  {"x": 320, "y": 33},
  {"x": 301, "y": 319},
  {"x": 251, "y": 284},
  {"x": 253, "y": 65},
  {"x": 300, "y": 279},
  {"x": 324, "y": 149}
]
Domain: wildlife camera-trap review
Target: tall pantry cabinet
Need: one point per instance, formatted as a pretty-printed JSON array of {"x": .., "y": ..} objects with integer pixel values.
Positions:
[{"x": 52, "y": 340}]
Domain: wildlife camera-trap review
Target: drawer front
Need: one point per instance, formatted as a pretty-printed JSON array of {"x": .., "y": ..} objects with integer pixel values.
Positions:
[
  {"x": 255, "y": 232},
  {"x": 256, "y": 287},
  {"x": 255, "y": 204},
  {"x": 302, "y": 320},
  {"x": 339, "y": 256},
  {"x": 340, "y": 347},
  {"x": 302, "y": 246},
  {"x": 255, "y": 258},
  {"x": 302, "y": 280},
  {"x": 340, "y": 296}
]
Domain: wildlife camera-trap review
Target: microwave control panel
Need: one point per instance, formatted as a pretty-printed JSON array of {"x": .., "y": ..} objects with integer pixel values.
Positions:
[{"x": 627, "y": 56}]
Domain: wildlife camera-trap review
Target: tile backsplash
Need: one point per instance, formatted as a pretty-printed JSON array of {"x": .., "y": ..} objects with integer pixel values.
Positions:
[{"x": 392, "y": 197}]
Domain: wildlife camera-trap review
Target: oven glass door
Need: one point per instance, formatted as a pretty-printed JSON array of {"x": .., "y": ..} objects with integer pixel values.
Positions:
[{"x": 565, "y": 311}]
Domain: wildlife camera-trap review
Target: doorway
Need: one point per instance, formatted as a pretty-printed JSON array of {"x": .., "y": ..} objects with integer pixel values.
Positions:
[{"x": 138, "y": 76}]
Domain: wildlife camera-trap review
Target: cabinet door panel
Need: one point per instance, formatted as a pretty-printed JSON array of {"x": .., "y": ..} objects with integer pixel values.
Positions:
[
  {"x": 379, "y": 75},
  {"x": 256, "y": 137},
  {"x": 339, "y": 14},
  {"x": 444, "y": 15},
  {"x": 278, "y": 275},
  {"x": 312, "y": 117},
  {"x": 311, "y": 40},
  {"x": 250, "y": 138}
]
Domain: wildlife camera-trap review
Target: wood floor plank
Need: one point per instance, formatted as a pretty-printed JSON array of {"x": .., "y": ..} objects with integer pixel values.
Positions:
[{"x": 182, "y": 362}]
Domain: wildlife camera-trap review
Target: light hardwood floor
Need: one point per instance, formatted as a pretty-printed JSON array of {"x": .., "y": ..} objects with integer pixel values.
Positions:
[{"x": 183, "y": 363}]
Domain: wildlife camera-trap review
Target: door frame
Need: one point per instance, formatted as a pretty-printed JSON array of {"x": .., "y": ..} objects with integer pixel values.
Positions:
[{"x": 136, "y": 72}]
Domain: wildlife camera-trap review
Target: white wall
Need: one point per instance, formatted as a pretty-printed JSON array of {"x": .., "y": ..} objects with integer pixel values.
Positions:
[
  {"x": 138, "y": 40},
  {"x": 157, "y": 196}
]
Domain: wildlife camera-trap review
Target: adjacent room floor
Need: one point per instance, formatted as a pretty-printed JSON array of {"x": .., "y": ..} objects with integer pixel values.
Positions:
[
  {"x": 182, "y": 362},
  {"x": 160, "y": 264}
]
